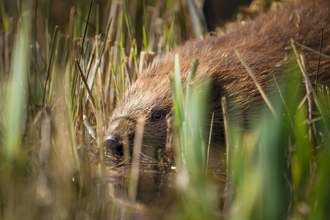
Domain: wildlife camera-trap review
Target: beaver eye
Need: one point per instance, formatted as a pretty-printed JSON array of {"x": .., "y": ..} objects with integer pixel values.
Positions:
[{"x": 157, "y": 116}]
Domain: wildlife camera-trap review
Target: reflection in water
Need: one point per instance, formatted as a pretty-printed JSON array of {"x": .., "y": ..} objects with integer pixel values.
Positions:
[{"x": 156, "y": 191}]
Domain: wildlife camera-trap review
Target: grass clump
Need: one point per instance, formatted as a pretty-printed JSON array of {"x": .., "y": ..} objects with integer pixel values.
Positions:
[
  {"x": 275, "y": 167},
  {"x": 196, "y": 191},
  {"x": 60, "y": 78}
]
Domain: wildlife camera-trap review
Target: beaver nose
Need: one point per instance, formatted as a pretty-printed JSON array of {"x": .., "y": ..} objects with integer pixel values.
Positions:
[{"x": 114, "y": 146}]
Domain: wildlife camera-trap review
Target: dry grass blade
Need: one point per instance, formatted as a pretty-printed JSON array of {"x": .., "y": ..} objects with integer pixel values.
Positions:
[
  {"x": 89, "y": 127},
  {"x": 309, "y": 99},
  {"x": 209, "y": 144},
  {"x": 226, "y": 127},
  {"x": 85, "y": 83},
  {"x": 49, "y": 65},
  {"x": 310, "y": 49},
  {"x": 252, "y": 75},
  {"x": 308, "y": 83},
  {"x": 136, "y": 158},
  {"x": 146, "y": 58}
]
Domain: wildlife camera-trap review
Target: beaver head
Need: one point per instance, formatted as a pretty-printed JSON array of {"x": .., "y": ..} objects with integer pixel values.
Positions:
[{"x": 149, "y": 97}]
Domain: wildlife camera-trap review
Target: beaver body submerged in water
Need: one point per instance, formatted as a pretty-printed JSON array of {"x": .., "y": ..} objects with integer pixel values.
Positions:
[{"x": 263, "y": 44}]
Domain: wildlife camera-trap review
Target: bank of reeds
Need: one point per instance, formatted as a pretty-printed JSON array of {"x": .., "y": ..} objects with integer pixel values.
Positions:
[{"x": 55, "y": 100}]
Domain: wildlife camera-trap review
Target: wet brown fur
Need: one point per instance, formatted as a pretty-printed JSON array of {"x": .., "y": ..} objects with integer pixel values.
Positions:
[{"x": 263, "y": 45}]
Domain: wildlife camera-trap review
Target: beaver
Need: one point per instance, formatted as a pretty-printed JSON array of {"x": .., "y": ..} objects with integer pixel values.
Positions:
[{"x": 264, "y": 44}]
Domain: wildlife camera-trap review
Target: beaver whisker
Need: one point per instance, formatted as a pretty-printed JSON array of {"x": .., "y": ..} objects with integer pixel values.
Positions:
[
  {"x": 146, "y": 158},
  {"x": 149, "y": 146}
]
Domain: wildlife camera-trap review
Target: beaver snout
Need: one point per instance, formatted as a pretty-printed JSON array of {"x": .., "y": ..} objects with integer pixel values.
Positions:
[{"x": 113, "y": 146}]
